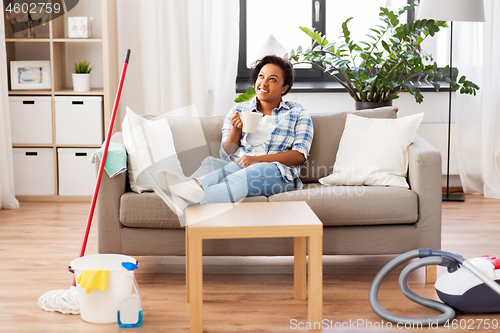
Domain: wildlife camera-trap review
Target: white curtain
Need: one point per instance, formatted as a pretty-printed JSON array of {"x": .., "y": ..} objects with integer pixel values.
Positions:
[
  {"x": 491, "y": 101},
  {"x": 7, "y": 198},
  {"x": 183, "y": 53},
  {"x": 478, "y": 118}
]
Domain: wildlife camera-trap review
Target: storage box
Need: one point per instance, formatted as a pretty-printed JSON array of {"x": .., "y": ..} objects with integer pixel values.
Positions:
[
  {"x": 31, "y": 119},
  {"x": 78, "y": 120},
  {"x": 80, "y": 27},
  {"x": 77, "y": 175},
  {"x": 34, "y": 171}
]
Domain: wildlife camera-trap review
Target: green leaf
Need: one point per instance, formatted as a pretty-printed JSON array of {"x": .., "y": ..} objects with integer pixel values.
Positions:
[
  {"x": 394, "y": 19},
  {"x": 345, "y": 29},
  {"x": 366, "y": 44},
  {"x": 392, "y": 97},
  {"x": 329, "y": 47},
  {"x": 350, "y": 75},
  {"x": 311, "y": 33},
  {"x": 324, "y": 41},
  {"x": 386, "y": 46},
  {"x": 419, "y": 98},
  {"x": 82, "y": 67},
  {"x": 411, "y": 26},
  {"x": 247, "y": 95}
]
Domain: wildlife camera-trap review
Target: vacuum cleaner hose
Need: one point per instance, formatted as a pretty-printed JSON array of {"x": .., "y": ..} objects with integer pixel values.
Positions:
[{"x": 448, "y": 312}]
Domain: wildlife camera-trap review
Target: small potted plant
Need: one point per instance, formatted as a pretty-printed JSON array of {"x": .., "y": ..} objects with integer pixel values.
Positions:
[{"x": 81, "y": 76}]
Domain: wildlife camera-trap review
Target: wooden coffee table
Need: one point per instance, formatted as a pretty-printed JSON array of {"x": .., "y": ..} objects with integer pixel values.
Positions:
[{"x": 256, "y": 220}]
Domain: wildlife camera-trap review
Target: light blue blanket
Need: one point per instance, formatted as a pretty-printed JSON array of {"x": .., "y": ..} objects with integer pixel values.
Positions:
[{"x": 116, "y": 160}]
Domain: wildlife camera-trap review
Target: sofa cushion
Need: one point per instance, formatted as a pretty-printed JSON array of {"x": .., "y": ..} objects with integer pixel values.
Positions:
[
  {"x": 374, "y": 151},
  {"x": 194, "y": 139},
  {"x": 147, "y": 210},
  {"x": 357, "y": 205},
  {"x": 147, "y": 142},
  {"x": 190, "y": 132},
  {"x": 328, "y": 128}
]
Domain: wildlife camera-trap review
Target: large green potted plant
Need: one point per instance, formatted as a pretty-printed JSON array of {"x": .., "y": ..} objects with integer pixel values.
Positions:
[{"x": 390, "y": 62}]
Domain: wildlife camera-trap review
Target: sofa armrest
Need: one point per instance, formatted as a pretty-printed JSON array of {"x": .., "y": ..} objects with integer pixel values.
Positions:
[
  {"x": 107, "y": 212},
  {"x": 424, "y": 176}
]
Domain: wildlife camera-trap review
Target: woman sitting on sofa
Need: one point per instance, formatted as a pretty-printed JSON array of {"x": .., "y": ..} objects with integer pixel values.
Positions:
[{"x": 265, "y": 162}]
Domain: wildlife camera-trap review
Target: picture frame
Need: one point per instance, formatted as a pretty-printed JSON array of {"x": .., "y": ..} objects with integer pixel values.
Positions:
[{"x": 30, "y": 75}]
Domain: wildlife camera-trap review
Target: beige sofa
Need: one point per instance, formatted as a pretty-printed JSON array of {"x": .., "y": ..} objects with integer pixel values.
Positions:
[{"x": 358, "y": 220}]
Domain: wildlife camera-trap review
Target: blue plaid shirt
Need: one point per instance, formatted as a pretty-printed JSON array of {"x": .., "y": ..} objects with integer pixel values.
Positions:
[{"x": 293, "y": 130}]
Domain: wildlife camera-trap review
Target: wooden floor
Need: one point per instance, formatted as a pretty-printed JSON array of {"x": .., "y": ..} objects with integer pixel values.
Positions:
[{"x": 39, "y": 240}]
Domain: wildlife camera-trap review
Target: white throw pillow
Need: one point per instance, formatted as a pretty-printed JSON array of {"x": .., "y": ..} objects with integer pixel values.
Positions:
[
  {"x": 147, "y": 142},
  {"x": 374, "y": 151}
]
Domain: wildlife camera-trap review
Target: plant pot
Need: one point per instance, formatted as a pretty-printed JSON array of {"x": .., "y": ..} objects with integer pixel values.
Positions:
[
  {"x": 81, "y": 82},
  {"x": 371, "y": 105}
]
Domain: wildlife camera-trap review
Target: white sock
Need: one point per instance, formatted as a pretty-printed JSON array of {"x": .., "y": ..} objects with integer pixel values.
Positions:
[{"x": 181, "y": 186}]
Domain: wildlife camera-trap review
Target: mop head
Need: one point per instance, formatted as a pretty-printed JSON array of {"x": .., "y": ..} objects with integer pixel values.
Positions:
[{"x": 63, "y": 301}]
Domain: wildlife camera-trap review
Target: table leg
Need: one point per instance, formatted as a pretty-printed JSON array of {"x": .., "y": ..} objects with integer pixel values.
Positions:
[
  {"x": 430, "y": 274},
  {"x": 187, "y": 263},
  {"x": 299, "y": 267},
  {"x": 196, "y": 284},
  {"x": 315, "y": 302}
]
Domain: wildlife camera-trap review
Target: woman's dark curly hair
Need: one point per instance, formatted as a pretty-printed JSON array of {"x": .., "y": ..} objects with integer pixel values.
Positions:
[{"x": 285, "y": 65}]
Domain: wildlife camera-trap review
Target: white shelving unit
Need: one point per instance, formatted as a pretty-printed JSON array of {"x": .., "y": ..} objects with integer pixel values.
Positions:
[{"x": 53, "y": 44}]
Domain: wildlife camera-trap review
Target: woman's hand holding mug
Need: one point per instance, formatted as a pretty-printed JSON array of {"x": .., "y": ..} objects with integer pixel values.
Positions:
[{"x": 236, "y": 120}]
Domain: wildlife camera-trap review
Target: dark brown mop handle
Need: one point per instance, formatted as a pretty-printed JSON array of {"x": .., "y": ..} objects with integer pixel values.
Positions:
[{"x": 104, "y": 156}]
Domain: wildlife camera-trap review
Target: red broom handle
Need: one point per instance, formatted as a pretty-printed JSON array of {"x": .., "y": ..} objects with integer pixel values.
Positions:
[{"x": 104, "y": 156}]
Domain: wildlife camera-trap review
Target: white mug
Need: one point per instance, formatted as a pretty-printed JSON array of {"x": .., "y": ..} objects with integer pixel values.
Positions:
[{"x": 250, "y": 121}]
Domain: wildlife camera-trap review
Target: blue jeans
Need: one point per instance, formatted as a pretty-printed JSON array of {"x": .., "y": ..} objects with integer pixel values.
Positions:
[{"x": 225, "y": 181}]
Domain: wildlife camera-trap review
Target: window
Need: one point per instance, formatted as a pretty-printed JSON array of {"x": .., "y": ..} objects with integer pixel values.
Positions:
[
  {"x": 439, "y": 47},
  {"x": 364, "y": 13},
  {"x": 269, "y": 33},
  {"x": 272, "y": 27}
]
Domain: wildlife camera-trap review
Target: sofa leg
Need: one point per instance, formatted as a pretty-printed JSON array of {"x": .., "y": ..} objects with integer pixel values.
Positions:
[{"x": 430, "y": 274}]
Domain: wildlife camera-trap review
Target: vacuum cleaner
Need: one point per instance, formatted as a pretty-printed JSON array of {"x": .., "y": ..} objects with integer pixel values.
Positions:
[{"x": 471, "y": 286}]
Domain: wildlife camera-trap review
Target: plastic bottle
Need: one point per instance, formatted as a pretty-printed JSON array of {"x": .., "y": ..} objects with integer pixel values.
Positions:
[{"x": 130, "y": 309}]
